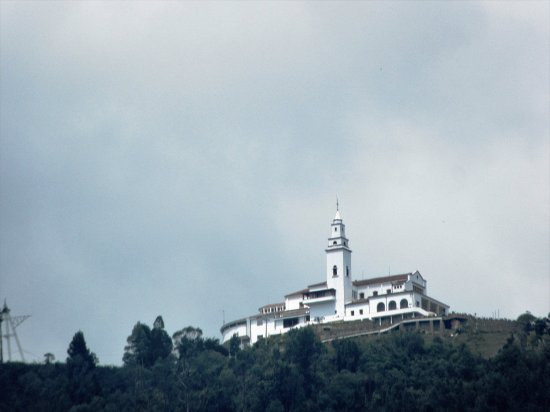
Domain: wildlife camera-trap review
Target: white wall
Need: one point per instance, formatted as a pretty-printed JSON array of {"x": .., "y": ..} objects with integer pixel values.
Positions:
[
  {"x": 293, "y": 302},
  {"x": 321, "y": 310},
  {"x": 380, "y": 288},
  {"x": 357, "y": 312},
  {"x": 239, "y": 330},
  {"x": 341, "y": 258}
]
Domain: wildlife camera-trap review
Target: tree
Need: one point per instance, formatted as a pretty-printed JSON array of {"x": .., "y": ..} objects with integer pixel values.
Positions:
[
  {"x": 79, "y": 352},
  {"x": 146, "y": 346},
  {"x": 81, "y": 365},
  {"x": 188, "y": 341},
  {"x": 213, "y": 344},
  {"x": 189, "y": 332},
  {"x": 234, "y": 345},
  {"x": 158, "y": 323},
  {"x": 541, "y": 326},
  {"x": 303, "y": 348},
  {"x": 293, "y": 372},
  {"x": 137, "y": 352},
  {"x": 347, "y": 354},
  {"x": 49, "y": 358},
  {"x": 526, "y": 321},
  {"x": 161, "y": 344},
  {"x": 346, "y": 391}
]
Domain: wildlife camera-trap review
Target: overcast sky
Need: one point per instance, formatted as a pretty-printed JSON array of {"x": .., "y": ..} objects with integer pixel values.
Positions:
[{"x": 183, "y": 159}]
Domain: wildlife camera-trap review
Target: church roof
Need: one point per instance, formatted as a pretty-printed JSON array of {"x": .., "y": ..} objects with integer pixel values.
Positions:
[
  {"x": 298, "y": 292},
  {"x": 291, "y": 313},
  {"x": 315, "y": 287},
  {"x": 383, "y": 279},
  {"x": 272, "y": 305}
]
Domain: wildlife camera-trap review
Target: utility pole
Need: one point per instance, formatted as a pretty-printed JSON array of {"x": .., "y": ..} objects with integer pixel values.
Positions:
[{"x": 11, "y": 323}]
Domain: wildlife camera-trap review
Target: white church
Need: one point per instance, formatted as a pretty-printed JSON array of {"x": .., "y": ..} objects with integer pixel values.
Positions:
[{"x": 385, "y": 299}]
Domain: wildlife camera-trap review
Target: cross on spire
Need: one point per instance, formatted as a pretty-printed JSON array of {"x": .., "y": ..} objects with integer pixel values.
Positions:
[{"x": 337, "y": 216}]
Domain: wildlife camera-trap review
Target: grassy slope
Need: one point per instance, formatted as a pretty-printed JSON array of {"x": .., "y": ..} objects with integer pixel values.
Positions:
[{"x": 484, "y": 337}]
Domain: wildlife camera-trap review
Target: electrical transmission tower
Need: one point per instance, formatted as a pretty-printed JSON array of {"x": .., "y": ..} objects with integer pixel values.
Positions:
[{"x": 8, "y": 325}]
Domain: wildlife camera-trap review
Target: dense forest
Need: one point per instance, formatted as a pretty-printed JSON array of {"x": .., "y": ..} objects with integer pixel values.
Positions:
[{"x": 292, "y": 372}]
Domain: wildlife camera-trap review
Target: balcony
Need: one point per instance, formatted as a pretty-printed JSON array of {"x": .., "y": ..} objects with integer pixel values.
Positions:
[{"x": 319, "y": 296}]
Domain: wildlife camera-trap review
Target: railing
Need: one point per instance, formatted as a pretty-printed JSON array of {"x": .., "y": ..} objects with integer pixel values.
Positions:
[
  {"x": 375, "y": 329},
  {"x": 318, "y": 295}
]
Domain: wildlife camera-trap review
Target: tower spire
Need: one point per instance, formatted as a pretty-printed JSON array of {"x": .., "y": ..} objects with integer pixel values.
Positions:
[
  {"x": 338, "y": 256},
  {"x": 337, "y": 216}
]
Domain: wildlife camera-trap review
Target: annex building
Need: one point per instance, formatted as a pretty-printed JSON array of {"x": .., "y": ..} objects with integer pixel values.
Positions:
[{"x": 340, "y": 298}]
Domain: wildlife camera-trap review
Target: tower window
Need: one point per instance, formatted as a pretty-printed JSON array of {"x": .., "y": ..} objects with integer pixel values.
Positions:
[
  {"x": 347, "y": 271},
  {"x": 334, "y": 242},
  {"x": 334, "y": 271},
  {"x": 336, "y": 229}
]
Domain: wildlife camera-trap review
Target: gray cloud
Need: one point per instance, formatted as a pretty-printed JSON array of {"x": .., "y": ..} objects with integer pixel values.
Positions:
[{"x": 183, "y": 158}]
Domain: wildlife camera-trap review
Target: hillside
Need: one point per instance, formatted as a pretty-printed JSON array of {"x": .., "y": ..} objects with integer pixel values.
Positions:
[
  {"x": 410, "y": 370},
  {"x": 482, "y": 336}
]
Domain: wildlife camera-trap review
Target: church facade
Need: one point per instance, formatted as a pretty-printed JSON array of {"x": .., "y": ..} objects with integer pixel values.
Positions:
[{"x": 340, "y": 298}]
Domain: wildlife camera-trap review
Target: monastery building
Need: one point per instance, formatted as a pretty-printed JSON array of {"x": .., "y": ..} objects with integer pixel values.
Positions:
[{"x": 340, "y": 298}]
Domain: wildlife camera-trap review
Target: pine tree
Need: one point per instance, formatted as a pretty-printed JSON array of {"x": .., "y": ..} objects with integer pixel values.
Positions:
[
  {"x": 79, "y": 352},
  {"x": 81, "y": 365}
]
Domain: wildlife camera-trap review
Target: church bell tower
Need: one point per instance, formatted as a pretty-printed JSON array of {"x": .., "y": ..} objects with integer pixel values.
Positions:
[{"x": 339, "y": 264}]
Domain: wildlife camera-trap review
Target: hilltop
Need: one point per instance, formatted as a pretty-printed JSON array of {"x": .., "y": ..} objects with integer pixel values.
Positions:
[
  {"x": 482, "y": 336},
  {"x": 453, "y": 369}
]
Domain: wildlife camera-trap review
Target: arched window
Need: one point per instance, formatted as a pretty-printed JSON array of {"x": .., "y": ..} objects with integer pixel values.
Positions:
[
  {"x": 392, "y": 305},
  {"x": 380, "y": 307},
  {"x": 347, "y": 271},
  {"x": 334, "y": 271},
  {"x": 403, "y": 304},
  {"x": 334, "y": 242}
]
